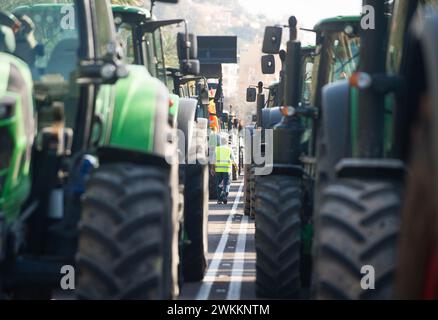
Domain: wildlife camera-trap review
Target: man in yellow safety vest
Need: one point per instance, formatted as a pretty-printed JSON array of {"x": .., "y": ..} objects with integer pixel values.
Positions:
[{"x": 223, "y": 161}]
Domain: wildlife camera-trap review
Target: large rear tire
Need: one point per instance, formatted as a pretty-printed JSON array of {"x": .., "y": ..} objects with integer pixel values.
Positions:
[
  {"x": 212, "y": 191},
  {"x": 247, "y": 190},
  {"x": 126, "y": 229},
  {"x": 278, "y": 237},
  {"x": 196, "y": 222},
  {"x": 252, "y": 196},
  {"x": 357, "y": 225}
]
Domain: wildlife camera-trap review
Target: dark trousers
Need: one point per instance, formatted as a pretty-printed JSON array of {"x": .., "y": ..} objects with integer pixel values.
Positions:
[{"x": 225, "y": 178}]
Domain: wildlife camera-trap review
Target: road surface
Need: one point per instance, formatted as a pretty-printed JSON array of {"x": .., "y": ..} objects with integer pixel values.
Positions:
[{"x": 231, "y": 253}]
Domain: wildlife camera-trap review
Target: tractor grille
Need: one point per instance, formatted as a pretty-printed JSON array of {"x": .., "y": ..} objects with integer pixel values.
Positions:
[{"x": 6, "y": 148}]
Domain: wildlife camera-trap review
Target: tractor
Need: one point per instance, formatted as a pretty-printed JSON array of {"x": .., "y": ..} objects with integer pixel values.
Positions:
[
  {"x": 376, "y": 213},
  {"x": 142, "y": 34},
  {"x": 283, "y": 206},
  {"x": 98, "y": 189}
]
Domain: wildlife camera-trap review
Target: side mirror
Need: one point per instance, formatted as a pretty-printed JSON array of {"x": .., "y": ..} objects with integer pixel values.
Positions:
[
  {"x": 191, "y": 66},
  {"x": 251, "y": 94},
  {"x": 190, "y": 46},
  {"x": 272, "y": 40},
  {"x": 268, "y": 64}
]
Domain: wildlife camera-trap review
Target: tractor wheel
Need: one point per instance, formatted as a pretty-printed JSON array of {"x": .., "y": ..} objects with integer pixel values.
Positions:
[
  {"x": 212, "y": 190},
  {"x": 234, "y": 173},
  {"x": 357, "y": 225},
  {"x": 278, "y": 237},
  {"x": 125, "y": 246},
  {"x": 196, "y": 222},
  {"x": 247, "y": 191},
  {"x": 252, "y": 185}
]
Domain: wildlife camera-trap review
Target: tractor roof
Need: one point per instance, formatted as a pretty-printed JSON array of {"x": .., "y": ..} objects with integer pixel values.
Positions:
[
  {"x": 337, "y": 23},
  {"x": 131, "y": 10}
]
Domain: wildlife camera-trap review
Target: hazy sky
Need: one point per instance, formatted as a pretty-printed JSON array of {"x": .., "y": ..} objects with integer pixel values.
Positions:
[{"x": 308, "y": 12}]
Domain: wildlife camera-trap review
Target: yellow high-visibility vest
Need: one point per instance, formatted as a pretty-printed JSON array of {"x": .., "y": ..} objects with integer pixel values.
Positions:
[{"x": 223, "y": 159}]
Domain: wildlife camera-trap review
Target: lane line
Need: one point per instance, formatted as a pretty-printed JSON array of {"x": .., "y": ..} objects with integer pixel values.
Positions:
[
  {"x": 210, "y": 276},
  {"x": 236, "y": 279}
]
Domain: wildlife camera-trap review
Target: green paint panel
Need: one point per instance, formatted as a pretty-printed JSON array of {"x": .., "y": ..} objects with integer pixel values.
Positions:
[
  {"x": 17, "y": 174},
  {"x": 134, "y": 111},
  {"x": 130, "y": 9}
]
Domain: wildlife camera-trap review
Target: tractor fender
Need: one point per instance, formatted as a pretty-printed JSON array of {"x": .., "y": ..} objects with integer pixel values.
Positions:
[
  {"x": 333, "y": 141},
  {"x": 186, "y": 120},
  {"x": 270, "y": 117},
  {"x": 140, "y": 121}
]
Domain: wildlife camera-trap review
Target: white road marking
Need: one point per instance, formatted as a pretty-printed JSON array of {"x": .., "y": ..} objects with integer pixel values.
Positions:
[
  {"x": 235, "y": 287},
  {"x": 210, "y": 276}
]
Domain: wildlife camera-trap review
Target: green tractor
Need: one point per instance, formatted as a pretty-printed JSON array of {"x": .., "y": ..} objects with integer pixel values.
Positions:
[
  {"x": 142, "y": 35},
  {"x": 99, "y": 189},
  {"x": 17, "y": 131},
  {"x": 376, "y": 212},
  {"x": 283, "y": 198}
]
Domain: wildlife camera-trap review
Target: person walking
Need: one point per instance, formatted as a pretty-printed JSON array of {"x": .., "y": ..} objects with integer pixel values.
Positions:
[{"x": 224, "y": 159}]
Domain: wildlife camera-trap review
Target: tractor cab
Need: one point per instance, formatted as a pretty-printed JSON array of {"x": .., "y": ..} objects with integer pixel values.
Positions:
[{"x": 336, "y": 54}]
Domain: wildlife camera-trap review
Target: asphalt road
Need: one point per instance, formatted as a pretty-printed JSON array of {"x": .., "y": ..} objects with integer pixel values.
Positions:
[{"x": 231, "y": 253}]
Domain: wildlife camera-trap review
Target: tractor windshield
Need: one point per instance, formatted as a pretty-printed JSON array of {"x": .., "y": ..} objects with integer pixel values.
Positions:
[
  {"x": 336, "y": 58},
  {"x": 345, "y": 56},
  {"x": 149, "y": 46},
  {"x": 307, "y": 71},
  {"x": 48, "y": 38}
]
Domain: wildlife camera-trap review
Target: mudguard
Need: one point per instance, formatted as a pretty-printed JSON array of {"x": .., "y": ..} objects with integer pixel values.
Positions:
[
  {"x": 140, "y": 120},
  {"x": 17, "y": 132},
  {"x": 186, "y": 120},
  {"x": 270, "y": 117},
  {"x": 333, "y": 143}
]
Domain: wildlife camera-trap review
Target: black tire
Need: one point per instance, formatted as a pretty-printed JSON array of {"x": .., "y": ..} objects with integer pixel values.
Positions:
[
  {"x": 196, "y": 222},
  {"x": 278, "y": 237},
  {"x": 212, "y": 189},
  {"x": 126, "y": 229},
  {"x": 247, "y": 189},
  {"x": 234, "y": 173},
  {"x": 357, "y": 225},
  {"x": 252, "y": 197}
]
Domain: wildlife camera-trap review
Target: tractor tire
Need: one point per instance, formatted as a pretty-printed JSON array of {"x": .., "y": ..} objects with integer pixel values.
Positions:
[
  {"x": 247, "y": 189},
  {"x": 278, "y": 237},
  {"x": 357, "y": 225},
  {"x": 234, "y": 173},
  {"x": 212, "y": 189},
  {"x": 196, "y": 222},
  {"x": 252, "y": 186},
  {"x": 125, "y": 246}
]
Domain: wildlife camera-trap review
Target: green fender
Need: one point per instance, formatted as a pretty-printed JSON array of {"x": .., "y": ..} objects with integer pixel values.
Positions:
[
  {"x": 140, "y": 121},
  {"x": 18, "y": 132}
]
